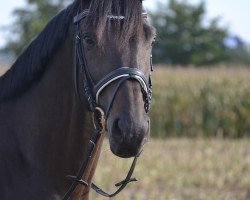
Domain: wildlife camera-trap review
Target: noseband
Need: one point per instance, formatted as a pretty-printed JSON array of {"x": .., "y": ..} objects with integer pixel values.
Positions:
[{"x": 119, "y": 75}]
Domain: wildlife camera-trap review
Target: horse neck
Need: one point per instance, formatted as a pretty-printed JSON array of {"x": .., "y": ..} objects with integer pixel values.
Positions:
[{"x": 52, "y": 126}]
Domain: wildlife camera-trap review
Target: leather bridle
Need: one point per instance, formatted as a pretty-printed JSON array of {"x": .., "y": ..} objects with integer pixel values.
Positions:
[{"x": 119, "y": 75}]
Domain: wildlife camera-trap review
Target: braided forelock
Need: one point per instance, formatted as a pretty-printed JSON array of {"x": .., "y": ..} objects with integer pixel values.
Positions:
[{"x": 124, "y": 29}]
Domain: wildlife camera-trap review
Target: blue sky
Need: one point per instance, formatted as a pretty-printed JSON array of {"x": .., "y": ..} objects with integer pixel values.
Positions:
[{"x": 234, "y": 14}]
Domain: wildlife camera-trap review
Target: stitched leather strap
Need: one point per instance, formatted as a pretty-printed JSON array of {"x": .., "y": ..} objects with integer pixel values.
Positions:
[
  {"x": 78, "y": 178},
  {"x": 123, "y": 72}
]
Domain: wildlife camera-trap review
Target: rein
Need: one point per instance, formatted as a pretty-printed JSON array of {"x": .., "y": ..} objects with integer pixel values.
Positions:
[{"x": 120, "y": 75}]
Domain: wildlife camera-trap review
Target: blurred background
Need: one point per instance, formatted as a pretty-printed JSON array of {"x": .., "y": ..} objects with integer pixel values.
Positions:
[{"x": 200, "y": 117}]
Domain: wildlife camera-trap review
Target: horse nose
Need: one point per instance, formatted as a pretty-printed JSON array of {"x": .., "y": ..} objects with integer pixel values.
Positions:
[
  {"x": 131, "y": 130},
  {"x": 129, "y": 136}
]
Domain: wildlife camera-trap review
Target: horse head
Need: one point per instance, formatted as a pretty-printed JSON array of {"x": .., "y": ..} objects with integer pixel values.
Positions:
[{"x": 115, "y": 51}]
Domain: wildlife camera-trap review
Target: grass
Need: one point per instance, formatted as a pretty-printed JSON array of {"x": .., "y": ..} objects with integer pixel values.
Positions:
[{"x": 181, "y": 169}]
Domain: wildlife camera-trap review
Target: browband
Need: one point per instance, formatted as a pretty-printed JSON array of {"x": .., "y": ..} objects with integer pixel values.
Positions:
[{"x": 86, "y": 12}]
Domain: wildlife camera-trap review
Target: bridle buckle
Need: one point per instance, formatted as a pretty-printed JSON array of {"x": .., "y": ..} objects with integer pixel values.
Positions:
[{"x": 99, "y": 120}]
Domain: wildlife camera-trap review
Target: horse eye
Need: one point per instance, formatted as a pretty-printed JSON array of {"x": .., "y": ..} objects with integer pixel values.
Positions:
[{"x": 88, "y": 40}]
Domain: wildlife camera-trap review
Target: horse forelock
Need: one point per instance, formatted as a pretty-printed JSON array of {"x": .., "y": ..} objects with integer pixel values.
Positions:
[{"x": 124, "y": 28}]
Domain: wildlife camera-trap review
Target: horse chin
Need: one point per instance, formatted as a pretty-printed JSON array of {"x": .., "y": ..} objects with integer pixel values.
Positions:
[
  {"x": 123, "y": 152},
  {"x": 126, "y": 151}
]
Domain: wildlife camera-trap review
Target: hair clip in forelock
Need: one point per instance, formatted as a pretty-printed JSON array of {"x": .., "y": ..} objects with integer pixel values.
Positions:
[
  {"x": 116, "y": 17},
  {"x": 144, "y": 14}
]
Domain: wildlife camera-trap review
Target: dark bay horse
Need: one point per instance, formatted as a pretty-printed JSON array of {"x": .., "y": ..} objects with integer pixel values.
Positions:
[{"x": 100, "y": 48}]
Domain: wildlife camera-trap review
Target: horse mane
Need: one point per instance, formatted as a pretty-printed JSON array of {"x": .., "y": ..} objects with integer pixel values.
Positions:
[{"x": 31, "y": 64}]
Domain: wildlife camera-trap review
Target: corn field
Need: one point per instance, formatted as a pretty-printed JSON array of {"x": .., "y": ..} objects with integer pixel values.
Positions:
[{"x": 201, "y": 102}]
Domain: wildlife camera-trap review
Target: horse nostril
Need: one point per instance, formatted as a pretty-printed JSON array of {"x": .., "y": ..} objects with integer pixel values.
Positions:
[
  {"x": 127, "y": 131},
  {"x": 117, "y": 129}
]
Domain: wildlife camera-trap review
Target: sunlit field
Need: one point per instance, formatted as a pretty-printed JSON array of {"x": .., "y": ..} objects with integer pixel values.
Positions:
[{"x": 181, "y": 169}]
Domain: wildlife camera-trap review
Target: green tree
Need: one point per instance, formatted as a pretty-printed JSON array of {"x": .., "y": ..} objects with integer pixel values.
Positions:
[
  {"x": 239, "y": 53},
  {"x": 29, "y": 21},
  {"x": 184, "y": 39}
]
